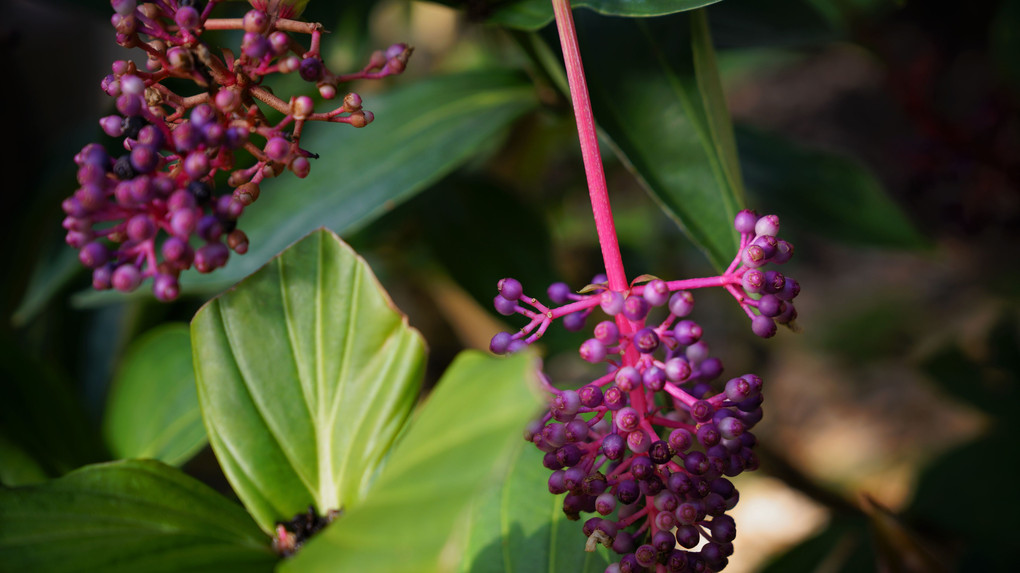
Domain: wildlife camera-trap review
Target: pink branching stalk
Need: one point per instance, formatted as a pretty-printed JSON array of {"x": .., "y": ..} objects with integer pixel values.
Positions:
[
  {"x": 153, "y": 209},
  {"x": 650, "y": 444}
]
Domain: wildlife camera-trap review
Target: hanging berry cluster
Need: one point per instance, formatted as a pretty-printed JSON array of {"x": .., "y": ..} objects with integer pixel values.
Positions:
[
  {"x": 154, "y": 209},
  {"x": 650, "y": 445}
]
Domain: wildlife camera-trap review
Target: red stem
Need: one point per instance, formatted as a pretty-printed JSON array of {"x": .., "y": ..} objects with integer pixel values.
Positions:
[{"x": 590, "y": 147}]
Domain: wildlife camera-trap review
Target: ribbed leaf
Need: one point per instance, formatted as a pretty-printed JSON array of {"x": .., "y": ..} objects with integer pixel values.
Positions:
[
  {"x": 518, "y": 527},
  {"x": 413, "y": 519},
  {"x": 656, "y": 93},
  {"x": 152, "y": 410},
  {"x": 128, "y": 516},
  {"x": 306, "y": 373}
]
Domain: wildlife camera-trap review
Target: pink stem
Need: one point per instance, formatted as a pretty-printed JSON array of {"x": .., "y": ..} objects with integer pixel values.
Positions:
[{"x": 589, "y": 147}]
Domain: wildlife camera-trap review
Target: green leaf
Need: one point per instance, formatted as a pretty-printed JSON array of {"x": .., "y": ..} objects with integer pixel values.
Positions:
[
  {"x": 458, "y": 442},
  {"x": 41, "y": 418},
  {"x": 128, "y": 516},
  {"x": 152, "y": 409},
  {"x": 18, "y": 467},
  {"x": 518, "y": 527},
  {"x": 533, "y": 14},
  {"x": 656, "y": 93},
  {"x": 824, "y": 193},
  {"x": 306, "y": 374},
  {"x": 777, "y": 23}
]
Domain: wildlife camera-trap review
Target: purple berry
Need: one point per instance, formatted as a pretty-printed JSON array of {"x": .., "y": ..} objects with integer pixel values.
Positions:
[
  {"x": 769, "y": 305},
  {"x": 575, "y": 321},
  {"x": 126, "y": 278},
  {"x": 784, "y": 252},
  {"x": 592, "y": 351},
  {"x": 277, "y": 148},
  {"x": 628, "y": 378},
  {"x": 311, "y": 69},
  {"x": 753, "y": 281},
  {"x": 753, "y": 256},
  {"x": 636, "y": 308},
  {"x": 613, "y": 446},
  {"x": 611, "y": 302},
  {"x": 210, "y": 257},
  {"x": 654, "y": 379},
  {"x": 763, "y": 326},
  {"x": 607, "y": 332},
  {"x": 500, "y": 342},
  {"x": 767, "y": 225},
  {"x": 187, "y": 18},
  {"x": 744, "y": 221},
  {"x": 646, "y": 340},
  {"x": 165, "y": 287},
  {"x": 511, "y": 289},
  {"x": 681, "y": 303},
  {"x": 656, "y": 292},
  {"x": 559, "y": 293},
  {"x": 677, "y": 369},
  {"x": 590, "y": 395},
  {"x": 627, "y": 419},
  {"x": 687, "y": 332},
  {"x": 504, "y": 306},
  {"x": 94, "y": 255}
]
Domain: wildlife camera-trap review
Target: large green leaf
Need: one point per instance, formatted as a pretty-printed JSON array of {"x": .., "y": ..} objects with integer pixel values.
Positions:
[
  {"x": 306, "y": 373},
  {"x": 656, "y": 93},
  {"x": 517, "y": 527},
  {"x": 533, "y": 14},
  {"x": 152, "y": 410},
  {"x": 824, "y": 193},
  {"x": 128, "y": 516},
  {"x": 413, "y": 519}
]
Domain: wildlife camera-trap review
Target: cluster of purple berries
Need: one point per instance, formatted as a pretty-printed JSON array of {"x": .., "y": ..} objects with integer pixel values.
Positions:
[
  {"x": 153, "y": 210},
  {"x": 649, "y": 446}
]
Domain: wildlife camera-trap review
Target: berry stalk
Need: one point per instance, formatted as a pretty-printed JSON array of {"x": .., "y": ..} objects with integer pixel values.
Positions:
[{"x": 597, "y": 189}]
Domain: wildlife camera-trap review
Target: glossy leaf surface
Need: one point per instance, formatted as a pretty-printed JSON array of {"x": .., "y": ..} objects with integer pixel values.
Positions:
[
  {"x": 413, "y": 519},
  {"x": 518, "y": 527},
  {"x": 127, "y": 516},
  {"x": 824, "y": 193},
  {"x": 152, "y": 410},
  {"x": 306, "y": 374}
]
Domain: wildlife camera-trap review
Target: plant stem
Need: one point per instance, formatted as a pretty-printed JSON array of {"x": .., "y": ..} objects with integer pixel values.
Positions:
[{"x": 597, "y": 190}]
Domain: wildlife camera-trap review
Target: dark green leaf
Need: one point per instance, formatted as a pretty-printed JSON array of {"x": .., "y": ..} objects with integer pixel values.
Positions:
[
  {"x": 481, "y": 233},
  {"x": 978, "y": 479},
  {"x": 41, "y": 417},
  {"x": 993, "y": 384},
  {"x": 777, "y": 23},
  {"x": 655, "y": 92},
  {"x": 18, "y": 467},
  {"x": 517, "y": 527},
  {"x": 128, "y": 516},
  {"x": 413, "y": 519},
  {"x": 152, "y": 410},
  {"x": 533, "y": 14},
  {"x": 824, "y": 193},
  {"x": 306, "y": 373}
]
